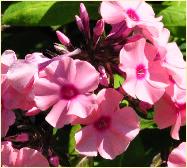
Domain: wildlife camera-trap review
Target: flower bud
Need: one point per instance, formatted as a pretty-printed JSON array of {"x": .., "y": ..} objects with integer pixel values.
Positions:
[
  {"x": 99, "y": 28},
  {"x": 63, "y": 38},
  {"x": 103, "y": 80},
  {"x": 54, "y": 160},
  {"x": 85, "y": 20},
  {"x": 79, "y": 23}
]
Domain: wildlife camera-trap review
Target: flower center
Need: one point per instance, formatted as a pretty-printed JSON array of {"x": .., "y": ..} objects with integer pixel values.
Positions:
[
  {"x": 140, "y": 71},
  {"x": 68, "y": 92},
  {"x": 102, "y": 123},
  {"x": 132, "y": 14}
]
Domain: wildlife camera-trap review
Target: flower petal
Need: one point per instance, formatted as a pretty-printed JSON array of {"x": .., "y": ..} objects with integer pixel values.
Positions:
[
  {"x": 58, "y": 117},
  {"x": 86, "y": 141},
  {"x": 46, "y": 93},
  {"x": 87, "y": 78}
]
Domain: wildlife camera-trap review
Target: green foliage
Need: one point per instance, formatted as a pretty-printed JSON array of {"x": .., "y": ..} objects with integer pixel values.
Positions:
[
  {"x": 147, "y": 124},
  {"x": 118, "y": 81},
  {"x": 174, "y": 17},
  {"x": 46, "y": 13}
]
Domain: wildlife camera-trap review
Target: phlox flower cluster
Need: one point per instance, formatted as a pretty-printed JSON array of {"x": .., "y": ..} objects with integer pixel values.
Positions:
[{"x": 77, "y": 86}]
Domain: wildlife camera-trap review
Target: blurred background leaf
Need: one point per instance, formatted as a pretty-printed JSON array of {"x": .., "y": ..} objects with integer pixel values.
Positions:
[{"x": 46, "y": 13}]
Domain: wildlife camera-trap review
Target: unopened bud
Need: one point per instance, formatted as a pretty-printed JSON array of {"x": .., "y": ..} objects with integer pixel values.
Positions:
[
  {"x": 99, "y": 28},
  {"x": 54, "y": 160},
  {"x": 103, "y": 80},
  {"x": 79, "y": 23},
  {"x": 63, "y": 38},
  {"x": 85, "y": 20}
]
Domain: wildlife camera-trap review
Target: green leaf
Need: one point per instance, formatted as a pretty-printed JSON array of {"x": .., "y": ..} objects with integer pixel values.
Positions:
[
  {"x": 147, "y": 124},
  {"x": 74, "y": 129},
  {"x": 118, "y": 81},
  {"x": 55, "y": 131},
  {"x": 46, "y": 13},
  {"x": 174, "y": 14}
]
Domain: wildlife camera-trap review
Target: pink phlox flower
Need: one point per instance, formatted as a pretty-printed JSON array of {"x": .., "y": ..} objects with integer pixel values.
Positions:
[
  {"x": 146, "y": 79},
  {"x": 109, "y": 129},
  {"x": 114, "y": 12},
  {"x": 177, "y": 157},
  {"x": 25, "y": 157},
  {"x": 66, "y": 85},
  {"x": 170, "y": 110}
]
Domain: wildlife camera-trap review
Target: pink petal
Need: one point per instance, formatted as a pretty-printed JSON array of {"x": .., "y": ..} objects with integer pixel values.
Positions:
[
  {"x": 57, "y": 117},
  {"x": 178, "y": 74},
  {"x": 82, "y": 105},
  {"x": 108, "y": 100},
  {"x": 21, "y": 75},
  {"x": 111, "y": 12},
  {"x": 129, "y": 84},
  {"x": 130, "y": 128},
  {"x": 165, "y": 112},
  {"x": 62, "y": 68},
  {"x": 36, "y": 58},
  {"x": 8, "y": 154},
  {"x": 176, "y": 127},
  {"x": 109, "y": 148},
  {"x": 86, "y": 141},
  {"x": 46, "y": 93},
  {"x": 158, "y": 76},
  {"x": 30, "y": 158},
  {"x": 7, "y": 119},
  {"x": 177, "y": 157},
  {"x": 174, "y": 56},
  {"x": 147, "y": 93},
  {"x": 132, "y": 54},
  {"x": 84, "y": 82},
  {"x": 7, "y": 59}
]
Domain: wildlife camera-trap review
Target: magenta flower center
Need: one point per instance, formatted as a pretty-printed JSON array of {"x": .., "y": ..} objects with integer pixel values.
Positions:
[
  {"x": 140, "y": 71},
  {"x": 102, "y": 123},
  {"x": 132, "y": 14},
  {"x": 68, "y": 92}
]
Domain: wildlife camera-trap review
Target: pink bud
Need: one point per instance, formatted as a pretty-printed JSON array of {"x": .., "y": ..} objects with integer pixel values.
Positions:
[
  {"x": 79, "y": 23},
  {"x": 63, "y": 38},
  {"x": 103, "y": 76},
  {"x": 85, "y": 19},
  {"x": 99, "y": 28},
  {"x": 23, "y": 137},
  {"x": 83, "y": 13},
  {"x": 54, "y": 160}
]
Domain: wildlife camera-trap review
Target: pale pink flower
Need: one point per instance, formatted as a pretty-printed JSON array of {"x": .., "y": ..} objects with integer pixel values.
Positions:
[
  {"x": 146, "y": 79},
  {"x": 177, "y": 157},
  {"x": 134, "y": 13},
  {"x": 109, "y": 129},
  {"x": 170, "y": 110},
  {"x": 174, "y": 63},
  {"x": 20, "y": 77},
  {"x": 67, "y": 85},
  {"x": 25, "y": 157}
]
